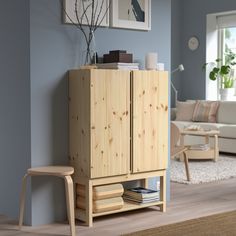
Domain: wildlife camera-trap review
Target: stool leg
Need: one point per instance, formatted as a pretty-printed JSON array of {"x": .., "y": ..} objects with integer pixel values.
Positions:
[
  {"x": 22, "y": 200},
  {"x": 186, "y": 166},
  {"x": 70, "y": 203}
]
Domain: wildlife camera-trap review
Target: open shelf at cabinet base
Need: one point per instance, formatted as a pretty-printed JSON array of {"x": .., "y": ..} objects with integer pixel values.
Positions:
[{"x": 128, "y": 206}]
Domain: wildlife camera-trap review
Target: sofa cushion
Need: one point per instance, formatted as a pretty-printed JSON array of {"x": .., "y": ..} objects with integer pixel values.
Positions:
[
  {"x": 185, "y": 110},
  {"x": 227, "y": 131},
  {"x": 227, "y": 112},
  {"x": 205, "y": 111}
]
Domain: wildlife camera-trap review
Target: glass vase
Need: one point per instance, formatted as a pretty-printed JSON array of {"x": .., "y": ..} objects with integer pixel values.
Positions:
[{"x": 90, "y": 54}]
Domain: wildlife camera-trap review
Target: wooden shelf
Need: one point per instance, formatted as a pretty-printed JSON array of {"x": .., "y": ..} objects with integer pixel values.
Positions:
[
  {"x": 201, "y": 154},
  {"x": 128, "y": 206}
]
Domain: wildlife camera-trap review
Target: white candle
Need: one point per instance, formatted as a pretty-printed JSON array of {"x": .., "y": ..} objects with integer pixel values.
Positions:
[{"x": 151, "y": 61}]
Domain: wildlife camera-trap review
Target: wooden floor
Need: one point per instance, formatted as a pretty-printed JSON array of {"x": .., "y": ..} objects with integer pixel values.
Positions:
[{"x": 187, "y": 202}]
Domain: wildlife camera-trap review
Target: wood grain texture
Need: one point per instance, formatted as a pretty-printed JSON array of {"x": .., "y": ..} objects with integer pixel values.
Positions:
[
  {"x": 110, "y": 122},
  {"x": 85, "y": 194},
  {"x": 150, "y": 120},
  {"x": 79, "y": 121},
  {"x": 99, "y": 117},
  {"x": 102, "y": 127}
]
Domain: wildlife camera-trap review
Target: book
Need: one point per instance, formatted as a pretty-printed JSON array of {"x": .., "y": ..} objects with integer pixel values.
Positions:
[
  {"x": 202, "y": 147},
  {"x": 155, "y": 199},
  {"x": 118, "y": 65},
  {"x": 140, "y": 193}
]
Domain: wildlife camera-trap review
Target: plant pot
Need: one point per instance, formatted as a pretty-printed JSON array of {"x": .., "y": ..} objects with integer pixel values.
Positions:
[{"x": 227, "y": 94}]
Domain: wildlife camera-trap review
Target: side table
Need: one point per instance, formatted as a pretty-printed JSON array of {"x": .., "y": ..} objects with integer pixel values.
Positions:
[{"x": 211, "y": 153}]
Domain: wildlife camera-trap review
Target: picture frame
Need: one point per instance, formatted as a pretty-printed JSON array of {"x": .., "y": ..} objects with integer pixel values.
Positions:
[
  {"x": 69, "y": 14},
  {"x": 131, "y": 14}
]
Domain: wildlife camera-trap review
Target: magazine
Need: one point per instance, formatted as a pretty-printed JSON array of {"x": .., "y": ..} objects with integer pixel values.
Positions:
[
  {"x": 140, "y": 193},
  {"x": 148, "y": 200}
]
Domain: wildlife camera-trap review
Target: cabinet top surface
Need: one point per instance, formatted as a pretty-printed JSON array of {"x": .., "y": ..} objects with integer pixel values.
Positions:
[{"x": 94, "y": 69}]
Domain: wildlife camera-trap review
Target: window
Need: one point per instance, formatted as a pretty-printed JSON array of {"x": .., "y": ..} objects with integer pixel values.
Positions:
[
  {"x": 227, "y": 46},
  {"x": 221, "y": 40},
  {"x": 227, "y": 42}
]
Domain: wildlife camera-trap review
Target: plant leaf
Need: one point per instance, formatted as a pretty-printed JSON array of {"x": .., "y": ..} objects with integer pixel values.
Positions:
[
  {"x": 212, "y": 75},
  {"x": 216, "y": 70},
  {"x": 224, "y": 70}
]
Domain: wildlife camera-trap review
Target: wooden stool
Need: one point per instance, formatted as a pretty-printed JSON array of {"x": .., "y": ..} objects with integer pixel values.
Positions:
[{"x": 64, "y": 172}]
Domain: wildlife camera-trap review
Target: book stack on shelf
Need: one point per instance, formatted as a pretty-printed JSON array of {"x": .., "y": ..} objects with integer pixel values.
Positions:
[
  {"x": 202, "y": 147},
  {"x": 141, "y": 195},
  {"x": 119, "y": 66}
]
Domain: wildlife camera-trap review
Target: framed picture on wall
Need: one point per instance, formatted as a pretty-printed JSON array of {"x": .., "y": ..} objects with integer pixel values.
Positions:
[
  {"x": 87, "y": 11},
  {"x": 131, "y": 14}
]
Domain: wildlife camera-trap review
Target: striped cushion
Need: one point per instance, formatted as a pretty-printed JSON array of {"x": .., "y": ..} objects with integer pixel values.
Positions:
[{"x": 205, "y": 111}]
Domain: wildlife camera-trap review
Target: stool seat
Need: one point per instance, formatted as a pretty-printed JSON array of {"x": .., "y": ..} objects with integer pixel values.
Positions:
[
  {"x": 64, "y": 172},
  {"x": 51, "y": 170}
]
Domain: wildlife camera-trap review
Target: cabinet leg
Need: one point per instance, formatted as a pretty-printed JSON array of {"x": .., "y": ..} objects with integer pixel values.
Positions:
[
  {"x": 163, "y": 192},
  {"x": 89, "y": 203}
]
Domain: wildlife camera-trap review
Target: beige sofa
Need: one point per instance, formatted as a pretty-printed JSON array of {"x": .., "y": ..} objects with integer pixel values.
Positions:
[{"x": 225, "y": 123}]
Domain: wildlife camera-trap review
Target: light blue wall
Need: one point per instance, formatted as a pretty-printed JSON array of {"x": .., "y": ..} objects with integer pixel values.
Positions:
[
  {"x": 14, "y": 103},
  {"x": 193, "y": 22},
  {"x": 39, "y": 50},
  {"x": 51, "y": 55}
]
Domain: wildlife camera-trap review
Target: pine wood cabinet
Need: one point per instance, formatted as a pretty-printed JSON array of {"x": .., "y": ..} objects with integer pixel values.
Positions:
[{"x": 118, "y": 130}]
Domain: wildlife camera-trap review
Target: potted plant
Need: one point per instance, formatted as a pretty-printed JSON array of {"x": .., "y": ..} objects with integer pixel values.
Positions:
[{"x": 225, "y": 73}]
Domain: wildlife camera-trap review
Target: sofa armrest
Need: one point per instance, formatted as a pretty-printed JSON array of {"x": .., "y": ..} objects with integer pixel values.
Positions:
[{"x": 173, "y": 113}]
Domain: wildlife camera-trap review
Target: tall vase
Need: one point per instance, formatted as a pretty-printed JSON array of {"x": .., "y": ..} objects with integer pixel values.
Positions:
[{"x": 90, "y": 52}]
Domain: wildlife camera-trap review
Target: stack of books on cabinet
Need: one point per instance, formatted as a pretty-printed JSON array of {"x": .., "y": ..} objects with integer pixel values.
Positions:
[
  {"x": 119, "y": 66},
  {"x": 141, "y": 195},
  {"x": 105, "y": 197}
]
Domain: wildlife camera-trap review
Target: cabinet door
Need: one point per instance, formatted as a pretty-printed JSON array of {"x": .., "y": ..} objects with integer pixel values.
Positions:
[
  {"x": 150, "y": 120},
  {"x": 110, "y": 123}
]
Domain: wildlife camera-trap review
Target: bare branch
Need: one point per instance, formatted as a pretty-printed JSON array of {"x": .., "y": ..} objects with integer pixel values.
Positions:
[
  {"x": 95, "y": 13},
  {"x": 92, "y": 15},
  {"x": 79, "y": 20},
  {"x": 77, "y": 25},
  {"x": 99, "y": 23},
  {"x": 85, "y": 12},
  {"x": 99, "y": 13}
]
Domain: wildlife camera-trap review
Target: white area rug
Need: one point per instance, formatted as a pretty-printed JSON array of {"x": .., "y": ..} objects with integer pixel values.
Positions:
[{"x": 204, "y": 171}]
